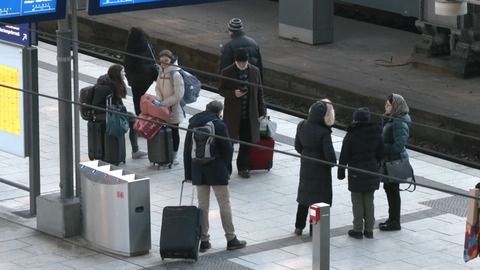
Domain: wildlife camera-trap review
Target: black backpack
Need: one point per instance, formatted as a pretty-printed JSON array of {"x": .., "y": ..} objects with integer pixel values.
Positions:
[
  {"x": 203, "y": 144},
  {"x": 86, "y": 97}
]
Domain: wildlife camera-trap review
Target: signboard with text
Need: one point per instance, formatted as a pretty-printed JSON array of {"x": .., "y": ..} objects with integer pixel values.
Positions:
[
  {"x": 18, "y": 34},
  {"x": 96, "y": 7},
  {"x": 12, "y": 137},
  {"x": 22, "y": 11}
]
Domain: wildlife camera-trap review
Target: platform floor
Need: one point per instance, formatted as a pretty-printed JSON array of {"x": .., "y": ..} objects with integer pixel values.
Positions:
[{"x": 264, "y": 207}]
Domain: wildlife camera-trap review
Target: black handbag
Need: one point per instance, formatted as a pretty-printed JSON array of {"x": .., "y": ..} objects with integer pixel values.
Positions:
[{"x": 401, "y": 169}]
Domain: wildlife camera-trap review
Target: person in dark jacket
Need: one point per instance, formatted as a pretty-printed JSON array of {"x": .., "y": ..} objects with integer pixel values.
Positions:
[
  {"x": 362, "y": 148},
  {"x": 212, "y": 175},
  {"x": 140, "y": 72},
  {"x": 240, "y": 40},
  {"x": 395, "y": 137},
  {"x": 112, "y": 84},
  {"x": 244, "y": 104},
  {"x": 313, "y": 139}
]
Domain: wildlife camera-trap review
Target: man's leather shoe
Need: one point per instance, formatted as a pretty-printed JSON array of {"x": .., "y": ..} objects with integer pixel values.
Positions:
[
  {"x": 236, "y": 244},
  {"x": 244, "y": 174},
  {"x": 204, "y": 246}
]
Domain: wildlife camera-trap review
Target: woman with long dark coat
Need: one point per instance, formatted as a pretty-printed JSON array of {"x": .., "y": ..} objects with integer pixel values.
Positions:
[
  {"x": 314, "y": 139},
  {"x": 140, "y": 72}
]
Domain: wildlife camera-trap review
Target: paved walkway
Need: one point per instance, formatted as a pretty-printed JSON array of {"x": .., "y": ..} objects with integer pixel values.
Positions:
[{"x": 263, "y": 207}]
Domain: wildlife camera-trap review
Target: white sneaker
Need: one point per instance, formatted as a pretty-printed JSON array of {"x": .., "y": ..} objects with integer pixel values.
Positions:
[
  {"x": 175, "y": 160},
  {"x": 138, "y": 155}
]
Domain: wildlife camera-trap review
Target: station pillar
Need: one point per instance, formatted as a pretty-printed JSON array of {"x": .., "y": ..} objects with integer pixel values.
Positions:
[{"x": 308, "y": 21}]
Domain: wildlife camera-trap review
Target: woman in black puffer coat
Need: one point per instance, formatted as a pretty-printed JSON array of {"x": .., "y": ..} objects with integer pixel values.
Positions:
[
  {"x": 313, "y": 139},
  {"x": 362, "y": 148}
]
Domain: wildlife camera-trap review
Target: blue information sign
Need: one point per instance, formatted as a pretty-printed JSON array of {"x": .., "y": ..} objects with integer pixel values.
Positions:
[
  {"x": 18, "y": 34},
  {"x": 96, "y": 7},
  {"x": 22, "y": 11}
]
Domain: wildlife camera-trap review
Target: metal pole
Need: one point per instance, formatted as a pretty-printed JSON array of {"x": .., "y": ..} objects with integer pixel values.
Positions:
[
  {"x": 34, "y": 129},
  {"x": 76, "y": 117},
  {"x": 321, "y": 239},
  {"x": 13, "y": 184},
  {"x": 64, "y": 36}
]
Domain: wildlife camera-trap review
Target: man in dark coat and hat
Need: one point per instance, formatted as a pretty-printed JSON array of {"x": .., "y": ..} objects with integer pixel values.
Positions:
[
  {"x": 244, "y": 104},
  {"x": 240, "y": 40}
]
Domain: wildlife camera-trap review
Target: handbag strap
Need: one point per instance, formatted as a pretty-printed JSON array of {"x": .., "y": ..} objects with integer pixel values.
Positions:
[{"x": 412, "y": 183}]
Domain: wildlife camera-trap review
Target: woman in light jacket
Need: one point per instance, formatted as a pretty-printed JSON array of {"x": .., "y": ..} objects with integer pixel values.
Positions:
[
  {"x": 170, "y": 90},
  {"x": 395, "y": 137}
]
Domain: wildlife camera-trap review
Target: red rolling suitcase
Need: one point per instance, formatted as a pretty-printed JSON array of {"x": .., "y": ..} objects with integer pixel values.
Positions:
[{"x": 262, "y": 159}]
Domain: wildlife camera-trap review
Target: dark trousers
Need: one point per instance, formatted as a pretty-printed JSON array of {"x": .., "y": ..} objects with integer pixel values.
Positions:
[
  {"x": 132, "y": 134},
  {"x": 302, "y": 213},
  {"x": 137, "y": 93},
  {"x": 243, "y": 158},
  {"x": 176, "y": 137},
  {"x": 393, "y": 196}
]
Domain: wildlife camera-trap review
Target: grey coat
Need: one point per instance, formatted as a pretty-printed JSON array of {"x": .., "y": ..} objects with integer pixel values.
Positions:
[{"x": 313, "y": 139}]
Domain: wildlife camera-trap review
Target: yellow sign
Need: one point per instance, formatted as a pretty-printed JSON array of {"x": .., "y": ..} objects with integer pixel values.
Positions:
[{"x": 9, "y": 100}]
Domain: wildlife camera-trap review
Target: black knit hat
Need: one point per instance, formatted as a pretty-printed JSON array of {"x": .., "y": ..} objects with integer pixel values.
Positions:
[
  {"x": 361, "y": 115},
  {"x": 241, "y": 55},
  {"x": 235, "y": 25}
]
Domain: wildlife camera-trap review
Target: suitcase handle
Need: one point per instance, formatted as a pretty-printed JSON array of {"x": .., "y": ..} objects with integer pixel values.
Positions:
[{"x": 181, "y": 192}]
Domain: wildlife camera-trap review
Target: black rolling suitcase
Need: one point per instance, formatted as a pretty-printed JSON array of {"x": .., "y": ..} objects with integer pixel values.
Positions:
[
  {"x": 160, "y": 147},
  {"x": 114, "y": 150},
  {"x": 181, "y": 229},
  {"x": 96, "y": 132}
]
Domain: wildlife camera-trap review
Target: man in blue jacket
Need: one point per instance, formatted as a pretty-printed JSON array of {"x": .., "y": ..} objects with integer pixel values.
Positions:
[{"x": 213, "y": 174}]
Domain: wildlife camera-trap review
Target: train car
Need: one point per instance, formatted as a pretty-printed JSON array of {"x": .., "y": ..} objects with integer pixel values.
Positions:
[{"x": 408, "y": 8}]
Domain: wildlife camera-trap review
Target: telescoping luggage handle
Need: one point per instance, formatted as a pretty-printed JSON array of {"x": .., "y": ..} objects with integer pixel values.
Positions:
[
  {"x": 181, "y": 192},
  {"x": 108, "y": 105}
]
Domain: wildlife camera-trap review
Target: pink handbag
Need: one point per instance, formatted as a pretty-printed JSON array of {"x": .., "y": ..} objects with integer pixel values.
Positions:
[
  {"x": 147, "y": 126},
  {"x": 147, "y": 106}
]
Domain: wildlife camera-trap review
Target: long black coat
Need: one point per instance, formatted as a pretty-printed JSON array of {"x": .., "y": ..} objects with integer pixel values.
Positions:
[
  {"x": 218, "y": 171},
  {"x": 313, "y": 139},
  {"x": 362, "y": 148},
  {"x": 233, "y": 105},
  {"x": 140, "y": 72},
  {"x": 240, "y": 40}
]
